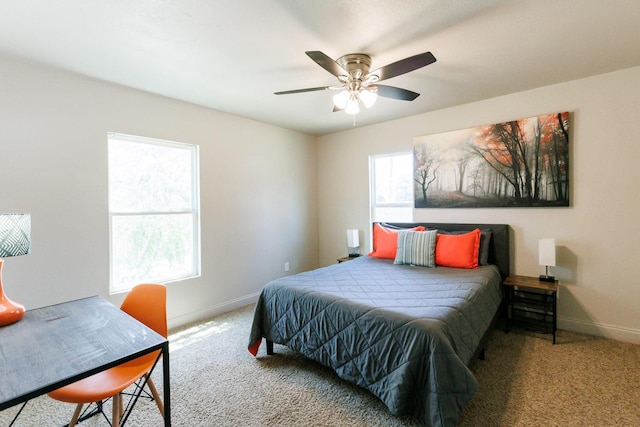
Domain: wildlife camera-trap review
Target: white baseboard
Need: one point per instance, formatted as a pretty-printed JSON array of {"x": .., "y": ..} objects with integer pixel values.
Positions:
[
  {"x": 213, "y": 311},
  {"x": 600, "y": 330}
]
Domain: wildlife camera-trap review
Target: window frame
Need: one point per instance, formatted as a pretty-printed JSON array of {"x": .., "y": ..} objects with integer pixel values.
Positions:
[{"x": 193, "y": 210}]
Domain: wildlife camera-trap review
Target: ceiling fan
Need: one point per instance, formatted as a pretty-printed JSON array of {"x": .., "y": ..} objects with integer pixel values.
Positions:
[{"x": 358, "y": 84}]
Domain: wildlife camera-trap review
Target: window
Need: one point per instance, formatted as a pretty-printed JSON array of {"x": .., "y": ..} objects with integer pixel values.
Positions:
[
  {"x": 391, "y": 178},
  {"x": 153, "y": 211}
]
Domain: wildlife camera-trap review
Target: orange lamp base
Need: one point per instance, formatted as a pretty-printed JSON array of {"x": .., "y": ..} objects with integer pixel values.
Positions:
[{"x": 10, "y": 312}]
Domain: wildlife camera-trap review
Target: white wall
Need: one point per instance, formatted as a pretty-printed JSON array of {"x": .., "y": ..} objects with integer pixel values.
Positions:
[
  {"x": 598, "y": 255},
  {"x": 268, "y": 194},
  {"x": 258, "y": 190}
]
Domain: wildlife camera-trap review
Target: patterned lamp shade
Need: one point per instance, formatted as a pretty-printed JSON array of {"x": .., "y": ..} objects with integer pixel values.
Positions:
[
  {"x": 15, "y": 239},
  {"x": 15, "y": 235}
]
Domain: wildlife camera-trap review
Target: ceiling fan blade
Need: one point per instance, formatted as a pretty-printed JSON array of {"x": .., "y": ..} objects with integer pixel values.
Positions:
[
  {"x": 396, "y": 93},
  {"x": 404, "y": 66},
  {"x": 310, "y": 89},
  {"x": 327, "y": 63}
]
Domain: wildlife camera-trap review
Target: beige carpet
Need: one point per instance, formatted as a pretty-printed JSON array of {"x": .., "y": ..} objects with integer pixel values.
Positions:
[{"x": 524, "y": 381}]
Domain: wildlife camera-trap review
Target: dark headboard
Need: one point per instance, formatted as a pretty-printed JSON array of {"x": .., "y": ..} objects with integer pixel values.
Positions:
[{"x": 498, "y": 248}]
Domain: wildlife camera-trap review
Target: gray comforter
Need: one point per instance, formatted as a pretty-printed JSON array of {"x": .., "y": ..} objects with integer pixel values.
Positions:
[{"x": 405, "y": 333}]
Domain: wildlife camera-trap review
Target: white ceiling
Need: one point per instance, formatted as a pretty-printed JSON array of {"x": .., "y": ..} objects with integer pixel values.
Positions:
[{"x": 231, "y": 55}]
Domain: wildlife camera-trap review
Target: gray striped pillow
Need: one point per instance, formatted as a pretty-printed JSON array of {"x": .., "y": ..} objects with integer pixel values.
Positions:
[{"x": 416, "y": 248}]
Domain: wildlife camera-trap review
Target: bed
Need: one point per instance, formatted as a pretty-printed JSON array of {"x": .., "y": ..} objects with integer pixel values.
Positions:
[{"x": 404, "y": 332}]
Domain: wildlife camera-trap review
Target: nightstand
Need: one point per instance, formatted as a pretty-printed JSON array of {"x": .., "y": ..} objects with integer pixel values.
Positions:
[{"x": 532, "y": 304}]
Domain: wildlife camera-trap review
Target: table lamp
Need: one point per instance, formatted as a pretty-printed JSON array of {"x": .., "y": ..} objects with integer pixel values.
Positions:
[
  {"x": 353, "y": 243},
  {"x": 15, "y": 239},
  {"x": 547, "y": 257}
]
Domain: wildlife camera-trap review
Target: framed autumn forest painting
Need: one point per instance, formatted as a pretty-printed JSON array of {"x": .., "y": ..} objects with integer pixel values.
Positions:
[{"x": 520, "y": 163}]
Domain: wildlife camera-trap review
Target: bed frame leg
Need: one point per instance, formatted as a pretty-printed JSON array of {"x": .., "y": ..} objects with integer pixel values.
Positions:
[
  {"x": 269, "y": 347},
  {"x": 481, "y": 355}
]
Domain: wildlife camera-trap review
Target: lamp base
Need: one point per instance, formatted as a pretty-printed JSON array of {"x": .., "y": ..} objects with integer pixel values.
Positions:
[
  {"x": 545, "y": 278},
  {"x": 10, "y": 312}
]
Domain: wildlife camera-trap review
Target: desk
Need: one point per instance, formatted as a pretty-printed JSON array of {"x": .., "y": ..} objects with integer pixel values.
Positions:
[{"x": 57, "y": 345}]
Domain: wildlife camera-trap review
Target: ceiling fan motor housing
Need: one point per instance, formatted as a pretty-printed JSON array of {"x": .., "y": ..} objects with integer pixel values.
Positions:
[{"x": 357, "y": 64}]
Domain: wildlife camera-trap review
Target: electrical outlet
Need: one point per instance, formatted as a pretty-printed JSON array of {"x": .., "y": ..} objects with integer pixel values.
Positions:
[{"x": 286, "y": 266}]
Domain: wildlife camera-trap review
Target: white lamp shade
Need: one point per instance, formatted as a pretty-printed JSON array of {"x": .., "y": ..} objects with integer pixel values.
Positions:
[
  {"x": 368, "y": 98},
  {"x": 352, "y": 106},
  {"x": 547, "y": 252},
  {"x": 353, "y": 241},
  {"x": 340, "y": 99}
]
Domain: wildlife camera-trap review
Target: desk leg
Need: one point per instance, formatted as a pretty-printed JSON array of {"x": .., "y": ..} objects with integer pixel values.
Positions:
[
  {"x": 166, "y": 380},
  {"x": 555, "y": 316},
  {"x": 507, "y": 323}
]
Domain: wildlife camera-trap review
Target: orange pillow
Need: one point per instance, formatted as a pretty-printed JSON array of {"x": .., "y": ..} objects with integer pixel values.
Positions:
[
  {"x": 458, "y": 250},
  {"x": 385, "y": 241}
]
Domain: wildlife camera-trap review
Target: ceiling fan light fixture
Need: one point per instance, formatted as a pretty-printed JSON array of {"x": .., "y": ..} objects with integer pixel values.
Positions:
[
  {"x": 368, "y": 97},
  {"x": 341, "y": 99},
  {"x": 352, "y": 106}
]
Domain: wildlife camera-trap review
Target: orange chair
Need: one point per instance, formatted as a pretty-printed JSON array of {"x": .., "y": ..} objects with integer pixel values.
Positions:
[{"x": 147, "y": 303}]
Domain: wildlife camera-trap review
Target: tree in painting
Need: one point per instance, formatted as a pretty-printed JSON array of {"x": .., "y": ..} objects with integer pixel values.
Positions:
[
  {"x": 425, "y": 167},
  {"x": 518, "y": 163}
]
